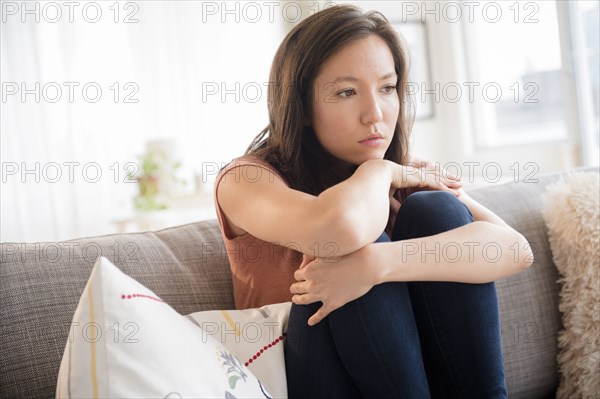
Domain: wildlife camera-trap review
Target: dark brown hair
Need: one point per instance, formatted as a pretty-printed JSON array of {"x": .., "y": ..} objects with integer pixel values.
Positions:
[{"x": 291, "y": 146}]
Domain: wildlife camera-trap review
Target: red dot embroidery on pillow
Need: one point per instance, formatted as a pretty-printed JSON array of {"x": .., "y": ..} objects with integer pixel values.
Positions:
[
  {"x": 260, "y": 352},
  {"x": 131, "y": 296}
]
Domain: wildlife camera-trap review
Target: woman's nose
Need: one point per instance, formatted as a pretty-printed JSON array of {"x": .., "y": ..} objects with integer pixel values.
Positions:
[{"x": 371, "y": 110}]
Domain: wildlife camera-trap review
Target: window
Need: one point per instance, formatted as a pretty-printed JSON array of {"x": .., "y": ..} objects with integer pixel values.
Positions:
[
  {"x": 581, "y": 27},
  {"x": 516, "y": 72}
]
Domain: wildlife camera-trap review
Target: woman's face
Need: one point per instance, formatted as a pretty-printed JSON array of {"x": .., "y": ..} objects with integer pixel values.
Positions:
[{"x": 355, "y": 96}]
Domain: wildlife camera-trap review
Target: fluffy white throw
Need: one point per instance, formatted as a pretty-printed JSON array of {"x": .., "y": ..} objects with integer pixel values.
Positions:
[{"x": 571, "y": 212}]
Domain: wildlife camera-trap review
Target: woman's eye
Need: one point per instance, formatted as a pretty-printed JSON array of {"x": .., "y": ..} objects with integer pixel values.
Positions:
[
  {"x": 346, "y": 93},
  {"x": 389, "y": 89}
]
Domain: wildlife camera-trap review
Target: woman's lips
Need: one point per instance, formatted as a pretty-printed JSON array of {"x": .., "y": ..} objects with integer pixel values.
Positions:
[
  {"x": 373, "y": 142},
  {"x": 373, "y": 136}
]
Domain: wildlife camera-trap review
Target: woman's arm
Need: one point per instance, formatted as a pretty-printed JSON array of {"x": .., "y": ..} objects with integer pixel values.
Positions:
[
  {"x": 458, "y": 255},
  {"x": 339, "y": 221},
  {"x": 334, "y": 223}
]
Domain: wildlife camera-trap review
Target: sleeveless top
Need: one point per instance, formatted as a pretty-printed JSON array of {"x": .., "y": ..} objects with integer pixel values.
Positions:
[{"x": 262, "y": 272}]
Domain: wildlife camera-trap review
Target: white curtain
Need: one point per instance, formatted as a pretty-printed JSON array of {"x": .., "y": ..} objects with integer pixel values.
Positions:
[{"x": 53, "y": 150}]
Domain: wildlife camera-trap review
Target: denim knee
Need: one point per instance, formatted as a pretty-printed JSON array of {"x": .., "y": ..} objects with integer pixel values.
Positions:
[{"x": 430, "y": 212}]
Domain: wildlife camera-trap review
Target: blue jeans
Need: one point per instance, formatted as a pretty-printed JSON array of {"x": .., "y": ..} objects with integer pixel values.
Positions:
[{"x": 403, "y": 339}]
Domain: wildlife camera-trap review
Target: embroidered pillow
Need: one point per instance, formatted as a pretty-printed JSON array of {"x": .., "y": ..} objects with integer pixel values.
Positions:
[{"x": 126, "y": 342}]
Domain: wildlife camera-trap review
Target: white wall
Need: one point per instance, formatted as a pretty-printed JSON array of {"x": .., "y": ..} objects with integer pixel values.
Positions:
[{"x": 171, "y": 55}]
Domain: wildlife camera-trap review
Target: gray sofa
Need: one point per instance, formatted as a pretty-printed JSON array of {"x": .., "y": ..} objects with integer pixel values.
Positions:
[{"x": 41, "y": 283}]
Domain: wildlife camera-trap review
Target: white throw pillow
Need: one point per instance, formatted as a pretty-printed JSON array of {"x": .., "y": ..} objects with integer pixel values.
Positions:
[
  {"x": 126, "y": 342},
  {"x": 255, "y": 337}
]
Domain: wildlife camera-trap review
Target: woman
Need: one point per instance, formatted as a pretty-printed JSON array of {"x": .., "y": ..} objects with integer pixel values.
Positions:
[{"x": 392, "y": 294}]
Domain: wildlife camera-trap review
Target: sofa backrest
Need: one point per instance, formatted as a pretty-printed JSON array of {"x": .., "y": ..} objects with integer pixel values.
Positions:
[{"x": 41, "y": 284}]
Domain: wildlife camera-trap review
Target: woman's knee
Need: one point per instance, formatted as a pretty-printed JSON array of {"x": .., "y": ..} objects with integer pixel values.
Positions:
[{"x": 430, "y": 212}]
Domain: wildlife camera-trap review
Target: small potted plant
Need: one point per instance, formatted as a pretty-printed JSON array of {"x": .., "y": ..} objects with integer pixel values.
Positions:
[
  {"x": 148, "y": 185},
  {"x": 156, "y": 176}
]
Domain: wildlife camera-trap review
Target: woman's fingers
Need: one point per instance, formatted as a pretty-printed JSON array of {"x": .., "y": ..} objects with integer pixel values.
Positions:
[
  {"x": 300, "y": 297},
  {"x": 452, "y": 188},
  {"x": 434, "y": 167},
  {"x": 438, "y": 181},
  {"x": 439, "y": 186},
  {"x": 299, "y": 275},
  {"x": 304, "y": 299},
  {"x": 418, "y": 169},
  {"x": 299, "y": 288},
  {"x": 447, "y": 175},
  {"x": 319, "y": 315},
  {"x": 306, "y": 259}
]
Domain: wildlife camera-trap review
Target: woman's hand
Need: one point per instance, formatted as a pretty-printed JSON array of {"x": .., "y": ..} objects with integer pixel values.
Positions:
[
  {"x": 428, "y": 169},
  {"x": 418, "y": 162},
  {"x": 333, "y": 281},
  {"x": 423, "y": 174}
]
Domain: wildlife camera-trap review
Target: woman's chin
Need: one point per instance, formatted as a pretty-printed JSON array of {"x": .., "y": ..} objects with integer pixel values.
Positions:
[
  {"x": 358, "y": 159},
  {"x": 371, "y": 157}
]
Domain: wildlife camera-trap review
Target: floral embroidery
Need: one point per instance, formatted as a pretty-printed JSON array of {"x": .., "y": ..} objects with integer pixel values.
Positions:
[{"x": 233, "y": 368}]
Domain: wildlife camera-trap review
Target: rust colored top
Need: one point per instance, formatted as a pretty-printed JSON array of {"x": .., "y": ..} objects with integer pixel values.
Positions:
[{"x": 262, "y": 272}]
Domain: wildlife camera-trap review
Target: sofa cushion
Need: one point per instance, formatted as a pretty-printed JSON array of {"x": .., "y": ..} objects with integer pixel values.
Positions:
[{"x": 41, "y": 283}]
